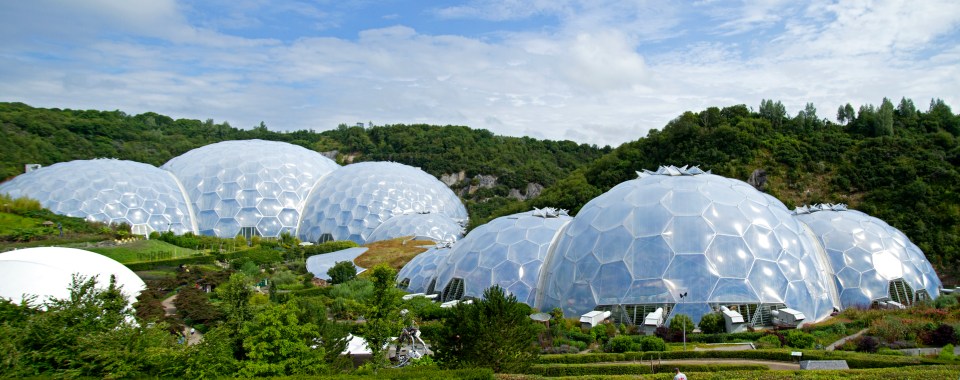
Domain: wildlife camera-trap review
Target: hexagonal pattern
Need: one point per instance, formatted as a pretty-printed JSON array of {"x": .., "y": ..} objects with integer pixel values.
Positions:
[
  {"x": 508, "y": 251},
  {"x": 422, "y": 270},
  {"x": 248, "y": 183},
  {"x": 109, "y": 191},
  {"x": 353, "y": 201},
  {"x": 866, "y": 253},
  {"x": 435, "y": 227},
  {"x": 717, "y": 239}
]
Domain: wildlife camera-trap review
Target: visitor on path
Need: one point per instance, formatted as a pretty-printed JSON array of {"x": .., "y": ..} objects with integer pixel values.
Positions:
[{"x": 679, "y": 375}]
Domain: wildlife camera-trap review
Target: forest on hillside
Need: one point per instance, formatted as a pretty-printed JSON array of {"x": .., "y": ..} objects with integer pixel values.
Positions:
[{"x": 898, "y": 162}]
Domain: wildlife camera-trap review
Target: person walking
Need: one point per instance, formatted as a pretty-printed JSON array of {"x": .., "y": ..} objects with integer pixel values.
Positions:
[{"x": 679, "y": 375}]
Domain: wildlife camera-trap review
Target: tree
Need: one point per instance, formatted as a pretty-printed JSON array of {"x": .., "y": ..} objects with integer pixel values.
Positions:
[
  {"x": 712, "y": 323},
  {"x": 680, "y": 323},
  {"x": 342, "y": 271},
  {"x": 884, "y": 126},
  {"x": 773, "y": 111},
  {"x": 234, "y": 298},
  {"x": 495, "y": 332},
  {"x": 277, "y": 344},
  {"x": 384, "y": 320}
]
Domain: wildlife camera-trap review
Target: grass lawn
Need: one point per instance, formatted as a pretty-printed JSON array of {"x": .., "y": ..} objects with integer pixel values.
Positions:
[
  {"x": 11, "y": 222},
  {"x": 143, "y": 250},
  {"x": 395, "y": 253}
]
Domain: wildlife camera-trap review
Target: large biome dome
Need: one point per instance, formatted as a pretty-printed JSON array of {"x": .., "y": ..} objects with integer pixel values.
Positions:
[
  {"x": 679, "y": 231},
  {"x": 509, "y": 251},
  {"x": 436, "y": 227},
  {"x": 872, "y": 261},
  {"x": 48, "y": 271},
  {"x": 249, "y": 187},
  {"x": 109, "y": 191},
  {"x": 350, "y": 203},
  {"x": 420, "y": 274}
]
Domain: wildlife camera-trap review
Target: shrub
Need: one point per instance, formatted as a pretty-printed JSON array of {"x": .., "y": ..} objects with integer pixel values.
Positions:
[
  {"x": 867, "y": 344},
  {"x": 768, "y": 341},
  {"x": 945, "y": 301},
  {"x": 712, "y": 323},
  {"x": 341, "y": 272},
  {"x": 620, "y": 343},
  {"x": 681, "y": 323},
  {"x": 946, "y": 353},
  {"x": 943, "y": 334},
  {"x": 330, "y": 246},
  {"x": 799, "y": 339}
]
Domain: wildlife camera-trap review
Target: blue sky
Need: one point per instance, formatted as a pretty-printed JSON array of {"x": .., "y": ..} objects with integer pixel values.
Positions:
[{"x": 599, "y": 72}]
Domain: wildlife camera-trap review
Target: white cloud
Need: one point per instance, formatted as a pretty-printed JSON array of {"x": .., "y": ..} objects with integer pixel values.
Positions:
[{"x": 605, "y": 74}]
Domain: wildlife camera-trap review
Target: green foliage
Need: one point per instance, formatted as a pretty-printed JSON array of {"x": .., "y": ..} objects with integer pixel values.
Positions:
[
  {"x": 383, "y": 313},
  {"x": 194, "y": 306},
  {"x": 342, "y": 271},
  {"x": 712, "y": 323},
  {"x": 495, "y": 332},
  {"x": 278, "y": 344},
  {"x": 681, "y": 322},
  {"x": 946, "y": 353},
  {"x": 768, "y": 341},
  {"x": 556, "y": 370},
  {"x": 799, "y": 339},
  {"x": 642, "y": 343},
  {"x": 330, "y": 246}
]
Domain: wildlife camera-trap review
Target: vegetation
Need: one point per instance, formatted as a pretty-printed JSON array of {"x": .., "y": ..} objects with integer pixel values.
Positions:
[{"x": 341, "y": 272}]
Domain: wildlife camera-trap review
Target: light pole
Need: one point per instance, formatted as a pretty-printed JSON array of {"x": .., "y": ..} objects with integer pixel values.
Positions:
[{"x": 684, "y": 323}]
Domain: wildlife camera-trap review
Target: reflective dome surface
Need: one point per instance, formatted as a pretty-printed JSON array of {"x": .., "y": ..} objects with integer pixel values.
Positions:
[
  {"x": 353, "y": 201},
  {"x": 676, "y": 231},
  {"x": 254, "y": 184},
  {"x": 422, "y": 270},
  {"x": 109, "y": 191},
  {"x": 435, "y": 227},
  {"x": 866, "y": 253},
  {"x": 508, "y": 251}
]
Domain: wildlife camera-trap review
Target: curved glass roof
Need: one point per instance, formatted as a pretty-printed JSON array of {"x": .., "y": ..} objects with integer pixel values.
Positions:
[
  {"x": 435, "y": 227},
  {"x": 350, "y": 203},
  {"x": 48, "y": 271},
  {"x": 866, "y": 254},
  {"x": 109, "y": 191},
  {"x": 680, "y": 230},
  {"x": 508, "y": 251},
  {"x": 254, "y": 184},
  {"x": 418, "y": 274}
]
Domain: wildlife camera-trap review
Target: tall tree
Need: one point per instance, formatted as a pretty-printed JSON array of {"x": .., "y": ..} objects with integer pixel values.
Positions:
[
  {"x": 495, "y": 332},
  {"x": 884, "y": 125},
  {"x": 384, "y": 320}
]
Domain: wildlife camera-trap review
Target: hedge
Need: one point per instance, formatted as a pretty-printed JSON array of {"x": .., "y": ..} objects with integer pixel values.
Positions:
[
  {"x": 416, "y": 373},
  {"x": 854, "y": 359},
  {"x": 921, "y": 372},
  {"x": 175, "y": 262},
  {"x": 330, "y": 246},
  {"x": 553, "y": 370}
]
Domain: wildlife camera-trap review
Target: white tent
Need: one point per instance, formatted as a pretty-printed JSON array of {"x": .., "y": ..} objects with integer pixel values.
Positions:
[{"x": 47, "y": 271}]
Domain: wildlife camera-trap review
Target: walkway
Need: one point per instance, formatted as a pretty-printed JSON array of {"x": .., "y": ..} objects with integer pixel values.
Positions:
[
  {"x": 170, "y": 309},
  {"x": 843, "y": 340}
]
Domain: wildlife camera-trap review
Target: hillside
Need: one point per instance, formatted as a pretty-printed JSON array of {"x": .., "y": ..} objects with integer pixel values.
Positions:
[{"x": 895, "y": 162}]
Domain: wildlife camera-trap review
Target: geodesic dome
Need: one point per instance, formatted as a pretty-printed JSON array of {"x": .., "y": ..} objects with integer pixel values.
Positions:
[
  {"x": 435, "y": 227},
  {"x": 109, "y": 191},
  {"x": 508, "y": 251},
  {"x": 351, "y": 202},
  {"x": 249, "y": 187},
  {"x": 679, "y": 231},
  {"x": 419, "y": 275},
  {"x": 871, "y": 260},
  {"x": 47, "y": 272}
]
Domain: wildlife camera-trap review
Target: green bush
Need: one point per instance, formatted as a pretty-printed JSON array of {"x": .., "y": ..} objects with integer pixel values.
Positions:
[
  {"x": 799, "y": 339},
  {"x": 197, "y": 259},
  {"x": 946, "y": 353},
  {"x": 330, "y": 246},
  {"x": 768, "y": 341},
  {"x": 712, "y": 323}
]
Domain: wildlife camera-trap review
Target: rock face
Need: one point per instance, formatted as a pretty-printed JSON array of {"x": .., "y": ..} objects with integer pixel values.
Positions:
[
  {"x": 453, "y": 178},
  {"x": 758, "y": 179},
  {"x": 533, "y": 190},
  {"x": 331, "y": 154}
]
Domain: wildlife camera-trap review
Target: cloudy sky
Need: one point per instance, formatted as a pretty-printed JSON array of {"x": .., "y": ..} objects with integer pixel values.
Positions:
[{"x": 599, "y": 72}]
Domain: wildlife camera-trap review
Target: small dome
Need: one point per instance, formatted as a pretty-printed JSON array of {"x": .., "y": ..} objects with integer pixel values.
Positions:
[
  {"x": 435, "y": 227},
  {"x": 249, "y": 187},
  {"x": 350, "y": 203},
  {"x": 868, "y": 256},
  {"x": 508, "y": 251},
  {"x": 109, "y": 191},
  {"x": 48, "y": 271},
  {"x": 681, "y": 231},
  {"x": 420, "y": 274}
]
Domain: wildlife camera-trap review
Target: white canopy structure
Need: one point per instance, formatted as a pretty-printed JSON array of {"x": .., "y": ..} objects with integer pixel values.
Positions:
[{"x": 46, "y": 272}]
